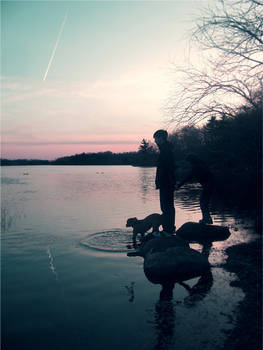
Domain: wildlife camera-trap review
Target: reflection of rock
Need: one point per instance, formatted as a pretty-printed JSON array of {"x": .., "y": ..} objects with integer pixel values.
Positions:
[
  {"x": 173, "y": 265},
  {"x": 193, "y": 231}
]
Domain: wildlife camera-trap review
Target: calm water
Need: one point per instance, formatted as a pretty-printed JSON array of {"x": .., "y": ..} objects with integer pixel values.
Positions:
[{"x": 67, "y": 281}]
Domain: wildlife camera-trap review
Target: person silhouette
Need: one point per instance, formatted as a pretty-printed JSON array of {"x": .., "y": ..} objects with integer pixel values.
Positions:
[
  {"x": 200, "y": 171},
  {"x": 165, "y": 181}
]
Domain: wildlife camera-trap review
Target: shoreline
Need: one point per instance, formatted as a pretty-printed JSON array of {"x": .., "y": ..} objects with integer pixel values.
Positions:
[{"x": 245, "y": 260}]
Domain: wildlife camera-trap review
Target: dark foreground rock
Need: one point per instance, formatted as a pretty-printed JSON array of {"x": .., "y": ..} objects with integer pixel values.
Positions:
[
  {"x": 168, "y": 260},
  {"x": 161, "y": 244},
  {"x": 245, "y": 260},
  {"x": 174, "y": 265},
  {"x": 195, "y": 232},
  {"x": 157, "y": 244}
]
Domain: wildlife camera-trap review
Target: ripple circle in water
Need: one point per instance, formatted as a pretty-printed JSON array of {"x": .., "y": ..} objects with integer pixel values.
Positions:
[{"x": 115, "y": 240}]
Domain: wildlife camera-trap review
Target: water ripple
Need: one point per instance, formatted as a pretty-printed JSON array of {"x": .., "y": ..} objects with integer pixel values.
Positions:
[{"x": 115, "y": 240}]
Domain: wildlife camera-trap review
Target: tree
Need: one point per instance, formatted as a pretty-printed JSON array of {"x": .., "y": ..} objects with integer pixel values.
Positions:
[
  {"x": 190, "y": 138},
  {"x": 147, "y": 153},
  {"x": 147, "y": 147},
  {"x": 232, "y": 34},
  {"x": 210, "y": 132},
  {"x": 144, "y": 146}
]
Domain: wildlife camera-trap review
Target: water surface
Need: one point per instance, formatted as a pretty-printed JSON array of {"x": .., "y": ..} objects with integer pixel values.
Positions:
[{"x": 67, "y": 281}]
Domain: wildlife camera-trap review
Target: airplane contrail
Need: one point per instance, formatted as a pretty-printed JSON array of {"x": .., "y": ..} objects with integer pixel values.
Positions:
[{"x": 56, "y": 45}]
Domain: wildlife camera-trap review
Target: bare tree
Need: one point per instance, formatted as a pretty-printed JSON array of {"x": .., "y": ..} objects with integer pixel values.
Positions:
[{"x": 232, "y": 33}]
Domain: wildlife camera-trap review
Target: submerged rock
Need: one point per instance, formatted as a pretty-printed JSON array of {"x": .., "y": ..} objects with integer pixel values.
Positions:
[
  {"x": 195, "y": 232},
  {"x": 175, "y": 264}
]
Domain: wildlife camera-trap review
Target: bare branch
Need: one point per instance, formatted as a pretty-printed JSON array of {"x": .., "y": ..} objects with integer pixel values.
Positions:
[{"x": 233, "y": 29}]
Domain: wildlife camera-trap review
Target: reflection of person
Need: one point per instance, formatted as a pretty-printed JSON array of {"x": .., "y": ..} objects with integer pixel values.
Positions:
[
  {"x": 203, "y": 175},
  {"x": 165, "y": 318},
  {"x": 165, "y": 180}
]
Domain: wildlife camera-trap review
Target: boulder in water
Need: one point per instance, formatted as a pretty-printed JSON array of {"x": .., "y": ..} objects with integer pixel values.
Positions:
[
  {"x": 161, "y": 244},
  {"x": 196, "y": 232},
  {"x": 157, "y": 244},
  {"x": 175, "y": 264}
]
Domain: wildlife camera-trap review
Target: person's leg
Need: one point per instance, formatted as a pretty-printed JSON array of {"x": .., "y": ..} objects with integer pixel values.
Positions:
[
  {"x": 204, "y": 203},
  {"x": 168, "y": 210}
]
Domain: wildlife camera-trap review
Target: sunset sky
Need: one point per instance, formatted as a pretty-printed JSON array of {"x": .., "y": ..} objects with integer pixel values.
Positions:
[{"x": 88, "y": 76}]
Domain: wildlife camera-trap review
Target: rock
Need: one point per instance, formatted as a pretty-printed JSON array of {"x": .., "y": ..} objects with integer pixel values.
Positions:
[
  {"x": 161, "y": 244},
  {"x": 175, "y": 264},
  {"x": 157, "y": 244},
  {"x": 168, "y": 260},
  {"x": 195, "y": 232}
]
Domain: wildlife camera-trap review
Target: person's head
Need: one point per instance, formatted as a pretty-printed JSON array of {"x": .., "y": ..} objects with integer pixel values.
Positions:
[{"x": 160, "y": 137}]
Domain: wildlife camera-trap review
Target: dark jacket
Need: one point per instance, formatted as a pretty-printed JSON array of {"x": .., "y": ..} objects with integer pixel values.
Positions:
[{"x": 165, "y": 172}]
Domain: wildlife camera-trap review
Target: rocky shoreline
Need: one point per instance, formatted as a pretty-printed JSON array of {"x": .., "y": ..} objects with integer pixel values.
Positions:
[{"x": 245, "y": 260}]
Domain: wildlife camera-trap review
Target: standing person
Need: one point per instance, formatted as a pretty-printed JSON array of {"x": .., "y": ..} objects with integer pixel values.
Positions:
[
  {"x": 200, "y": 171},
  {"x": 165, "y": 181}
]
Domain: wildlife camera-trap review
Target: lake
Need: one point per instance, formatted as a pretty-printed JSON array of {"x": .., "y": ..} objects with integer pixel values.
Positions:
[{"x": 67, "y": 282}]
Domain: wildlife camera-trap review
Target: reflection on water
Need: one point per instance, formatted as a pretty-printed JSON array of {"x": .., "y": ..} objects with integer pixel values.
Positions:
[
  {"x": 147, "y": 182},
  {"x": 51, "y": 259},
  {"x": 164, "y": 324},
  {"x": 199, "y": 315},
  {"x": 199, "y": 291},
  {"x": 130, "y": 290},
  {"x": 165, "y": 310},
  {"x": 68, "y": 281},
  {"x": 188, "y": 197}
]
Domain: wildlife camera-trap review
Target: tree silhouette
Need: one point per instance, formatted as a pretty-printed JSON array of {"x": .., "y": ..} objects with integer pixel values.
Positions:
[
  {"x": 232, "y": 35},
  {"x": 144, "y": 146},
  {"x": 147, "y": 153}
]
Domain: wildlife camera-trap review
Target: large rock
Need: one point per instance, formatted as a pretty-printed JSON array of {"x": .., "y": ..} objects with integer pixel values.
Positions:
[
  {"x": 168, "y": 260},
  {"x": 195, "y": 232},
  {"x": 175, "y": 264},
  {"x": 157, "y": 244},
  {"x": 161, "y": 244}
]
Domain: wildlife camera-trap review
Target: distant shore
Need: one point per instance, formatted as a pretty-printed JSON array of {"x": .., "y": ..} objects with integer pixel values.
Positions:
[{"x": 101, "y": 158}]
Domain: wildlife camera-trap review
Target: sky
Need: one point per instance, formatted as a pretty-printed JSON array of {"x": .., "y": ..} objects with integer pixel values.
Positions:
[{"x": 88, "y": 76}]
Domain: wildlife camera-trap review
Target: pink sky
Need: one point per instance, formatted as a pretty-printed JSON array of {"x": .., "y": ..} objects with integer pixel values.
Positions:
[{"x": 51, "y": 152}]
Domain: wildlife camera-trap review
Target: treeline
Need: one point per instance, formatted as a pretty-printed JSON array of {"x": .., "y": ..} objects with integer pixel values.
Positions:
[
  {"x": 102, "y": 158},
  {"x": 140, "y": 158},
  {"x": 232, "y": 147}
]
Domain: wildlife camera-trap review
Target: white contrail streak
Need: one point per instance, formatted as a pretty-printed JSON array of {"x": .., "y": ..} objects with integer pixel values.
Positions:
[{"x": 56, "y": 45}]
